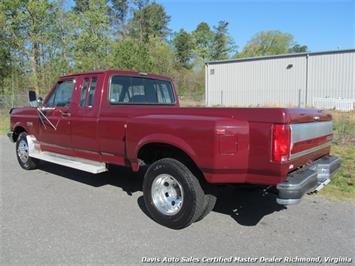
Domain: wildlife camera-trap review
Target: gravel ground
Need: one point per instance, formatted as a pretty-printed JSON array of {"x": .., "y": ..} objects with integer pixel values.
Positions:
[{"x": 57, "y": 215}]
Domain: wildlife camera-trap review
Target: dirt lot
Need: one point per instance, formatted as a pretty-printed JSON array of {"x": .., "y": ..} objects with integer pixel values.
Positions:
[{"x": 56, "y": 215}]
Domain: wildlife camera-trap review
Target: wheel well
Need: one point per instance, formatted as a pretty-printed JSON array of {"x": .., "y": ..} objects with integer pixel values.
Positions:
[
  {"x": 17, "y": 131},
  {"x": 152, "y": 152}
]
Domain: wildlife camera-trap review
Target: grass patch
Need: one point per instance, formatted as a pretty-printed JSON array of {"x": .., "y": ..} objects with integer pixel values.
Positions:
[
  {"x": 343, "y": 182},
  {"x": 342, "y": 185},
  {"x": 4, "y": 122},
  {"x": 344, "y": 128}
]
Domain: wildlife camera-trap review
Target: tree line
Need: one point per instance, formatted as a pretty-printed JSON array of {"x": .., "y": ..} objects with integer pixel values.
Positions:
[{"x": 43, "y": 39}]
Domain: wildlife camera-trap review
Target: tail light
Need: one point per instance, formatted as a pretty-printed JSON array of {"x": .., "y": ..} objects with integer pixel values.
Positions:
[{"x": 281, "y": 142}]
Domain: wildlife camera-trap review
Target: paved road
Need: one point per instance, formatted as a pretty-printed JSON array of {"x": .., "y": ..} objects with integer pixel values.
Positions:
[{"x": 58, "y": 215}]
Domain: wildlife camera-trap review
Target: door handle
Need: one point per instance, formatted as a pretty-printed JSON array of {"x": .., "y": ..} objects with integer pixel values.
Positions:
[{"x": 66, "y": 114}]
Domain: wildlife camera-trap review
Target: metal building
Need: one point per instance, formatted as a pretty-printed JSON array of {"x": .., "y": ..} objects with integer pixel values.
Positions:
[{"x": 320, "y": 79}]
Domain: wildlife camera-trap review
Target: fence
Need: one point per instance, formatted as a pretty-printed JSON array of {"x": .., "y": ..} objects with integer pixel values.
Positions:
[
  {"x": 225, "y": 98},
  {"x": 15, "y": 100},
  {"x": 192, "y": 99},
  {"x": 344, "y": 105}
]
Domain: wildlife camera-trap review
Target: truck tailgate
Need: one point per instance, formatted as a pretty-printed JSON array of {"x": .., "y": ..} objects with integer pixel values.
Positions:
[{"x": 307, "y": 138}]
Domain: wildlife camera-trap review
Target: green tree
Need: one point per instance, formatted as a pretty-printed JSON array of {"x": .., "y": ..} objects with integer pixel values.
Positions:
[
  {"x": 120, "y": 9},
  {"x": 222, "y": 44},
  {"x": 28, "y": 23},
  {"x": 81, "y": 5},
  {"x": 131, "y": 55},
  {"x": 62, "y": 26},
  {"x": 203, "y": 36},
  {"x": 267, "y": 43},
  {"x": 40, "y": 40},
  {"x": 5, "y": 63},
  {"x": 149, "y": 21},
  {"x": 184, "y": 46},
  {"x": 297, "y": 48},
  {"x": 163, "y": 57},
  {"x": 5, "y": 56},
  {"x": 90, "y": 36},
  {"x": 140, "y": 4}
]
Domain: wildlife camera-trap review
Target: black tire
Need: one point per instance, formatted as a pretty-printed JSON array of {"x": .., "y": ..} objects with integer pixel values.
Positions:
[
  {"x": 29, "y": 163},
  {"x": 209, "y": 203},
  {"x": 192, "y": 204}
]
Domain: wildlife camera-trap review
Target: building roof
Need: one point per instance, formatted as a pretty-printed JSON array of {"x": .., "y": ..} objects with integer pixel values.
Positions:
[{"x": 279, "y": 56}]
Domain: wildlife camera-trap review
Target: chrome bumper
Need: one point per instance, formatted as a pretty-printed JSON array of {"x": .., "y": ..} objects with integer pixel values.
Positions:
[
  {"x": 307, "y": 179},
  {"x": 10, "y": 135}
]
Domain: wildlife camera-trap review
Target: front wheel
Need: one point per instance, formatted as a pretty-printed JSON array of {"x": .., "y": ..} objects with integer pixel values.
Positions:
[
  {"x": 22, "y": 153},
  {"x": 172, "y": 194}
]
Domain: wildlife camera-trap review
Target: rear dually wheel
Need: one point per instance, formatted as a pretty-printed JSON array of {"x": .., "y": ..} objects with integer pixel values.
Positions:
[{"x": 172, "y": 194}]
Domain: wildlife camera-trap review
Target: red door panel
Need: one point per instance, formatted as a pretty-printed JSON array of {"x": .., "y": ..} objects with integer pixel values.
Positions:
[
  {"x": 55, "y": 127},
  {"x": 84, "y": 116}
]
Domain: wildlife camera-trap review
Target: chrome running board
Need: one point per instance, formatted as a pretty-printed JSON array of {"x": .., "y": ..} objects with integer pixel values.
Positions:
[{"x": 90, "y": 166}]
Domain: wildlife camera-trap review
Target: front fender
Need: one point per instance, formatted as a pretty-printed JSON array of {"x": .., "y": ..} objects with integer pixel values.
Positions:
[
  {"x": 15, "y": 129},
  {"x": 20, "y": 124}
]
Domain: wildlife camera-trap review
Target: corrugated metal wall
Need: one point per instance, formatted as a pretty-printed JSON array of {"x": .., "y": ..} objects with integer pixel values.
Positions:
[
  {"x": 284, "y": 81},
  {"x": 331, "y": 75}
]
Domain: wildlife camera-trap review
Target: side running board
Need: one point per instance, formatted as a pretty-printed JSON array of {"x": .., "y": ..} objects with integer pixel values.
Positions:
[{"x": 90, "y": 166}]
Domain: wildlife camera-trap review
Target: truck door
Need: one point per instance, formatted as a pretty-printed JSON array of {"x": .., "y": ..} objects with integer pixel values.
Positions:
[
  {"x": 54, "y": 131},
  {"x": 84, "y": 117},
  {"x": 113, "y": 119}
]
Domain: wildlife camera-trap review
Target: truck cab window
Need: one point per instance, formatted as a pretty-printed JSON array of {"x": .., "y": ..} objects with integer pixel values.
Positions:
[
  {"x": 83, "y": 92},
  {"x": 137, "y": 90},
  {"x": 62, "y": 94},
  {"x": 92, "y": 92},
  {"x": 163, "y": 92},
  {"x": 115, "y": 92}
]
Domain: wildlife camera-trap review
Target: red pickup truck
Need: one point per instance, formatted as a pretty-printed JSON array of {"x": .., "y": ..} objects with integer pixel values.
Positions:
[{"x": 91, "y": 120}]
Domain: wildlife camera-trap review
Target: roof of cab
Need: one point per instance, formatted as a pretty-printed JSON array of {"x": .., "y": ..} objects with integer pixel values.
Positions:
[{"x": 119, "y": 72}]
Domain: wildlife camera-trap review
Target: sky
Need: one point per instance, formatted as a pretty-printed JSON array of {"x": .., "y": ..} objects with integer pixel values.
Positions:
[{"x": 321, "y": 25}]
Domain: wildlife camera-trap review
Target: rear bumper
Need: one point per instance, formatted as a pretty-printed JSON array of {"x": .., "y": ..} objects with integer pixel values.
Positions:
[
  {"x": 10, "y": 135},
  {"x": 307, "y": 179}
]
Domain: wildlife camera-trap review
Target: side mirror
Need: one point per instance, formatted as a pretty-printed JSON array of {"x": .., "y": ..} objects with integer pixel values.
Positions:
[
  {"x": 32, "y": 96},
  {"x": 34, "y": 101}
]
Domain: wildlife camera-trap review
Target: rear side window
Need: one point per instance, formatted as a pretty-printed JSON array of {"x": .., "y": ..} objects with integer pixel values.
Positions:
[
  {"x": 163, "y": 93},
  {"x": 137, "y": 90},
  {"x": 62, "y": 94},
  {"x": 92, "y": 92},
  {"x": 116, "y": 87},
  {"x": 83, "y": 92}
]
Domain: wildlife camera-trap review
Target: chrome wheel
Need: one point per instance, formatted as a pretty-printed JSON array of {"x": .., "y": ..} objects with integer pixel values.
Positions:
[
  {"x": 167, "y": 194},
  {"x": 22, "y": 151}
]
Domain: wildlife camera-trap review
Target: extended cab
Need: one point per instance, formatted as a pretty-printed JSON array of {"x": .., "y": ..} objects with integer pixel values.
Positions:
[{"x": 89, "y": 121}]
